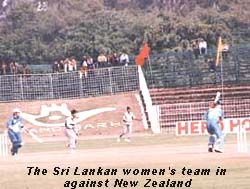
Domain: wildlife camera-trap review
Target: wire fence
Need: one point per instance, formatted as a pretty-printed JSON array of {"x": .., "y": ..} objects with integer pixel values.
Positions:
[{"x": 106, "y": 81}]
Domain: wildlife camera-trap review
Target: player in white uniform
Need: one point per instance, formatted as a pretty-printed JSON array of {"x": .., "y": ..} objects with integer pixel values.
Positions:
[
  {"x": 71, "y": 131},
  {"x": 127, "y": 120}
]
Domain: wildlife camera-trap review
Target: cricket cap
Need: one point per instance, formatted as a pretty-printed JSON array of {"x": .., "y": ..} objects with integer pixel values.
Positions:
[{"x": 16, "y": 110}]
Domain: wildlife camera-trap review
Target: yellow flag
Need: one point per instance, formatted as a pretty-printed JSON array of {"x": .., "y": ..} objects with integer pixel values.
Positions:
[{"x": 219, "y": 50}]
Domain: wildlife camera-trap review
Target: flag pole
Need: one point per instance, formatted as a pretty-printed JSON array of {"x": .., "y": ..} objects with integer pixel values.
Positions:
[
  {"x": 219, "y": 60},
  {"x": 150, "y": 69},
  {"x": 222, "y": 78}
]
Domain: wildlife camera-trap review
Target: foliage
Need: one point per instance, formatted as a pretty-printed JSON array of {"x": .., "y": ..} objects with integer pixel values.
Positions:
[{"x": 77, "y": 28}]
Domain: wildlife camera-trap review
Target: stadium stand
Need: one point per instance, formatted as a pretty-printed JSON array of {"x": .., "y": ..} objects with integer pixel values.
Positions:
[{"x": 182, "y": 87}]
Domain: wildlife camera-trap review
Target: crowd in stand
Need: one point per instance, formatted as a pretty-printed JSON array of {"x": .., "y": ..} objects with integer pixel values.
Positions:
[
  {"x": 200, "y": 48},
  {"x": 88, "y": 63},
  {"x": 13, "y": 68}
]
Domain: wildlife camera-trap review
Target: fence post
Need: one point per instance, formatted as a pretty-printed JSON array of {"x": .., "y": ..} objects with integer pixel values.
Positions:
[
  {"x": 51, "y": 86},
  {"x": 21, "y": 87},
  {"x": 81, "y": 75},
  {"x": 110, "y": 81}
]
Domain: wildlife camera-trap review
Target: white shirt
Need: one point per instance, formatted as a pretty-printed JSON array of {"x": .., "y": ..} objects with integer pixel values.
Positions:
[
  {"x": 84, "y": 63},
  {"x": 124, "y": 57},
  {"x": 128, "y": 117},
  {"x": 203, "y": 44},
  {"x": 225, "y": 48},
  {"x": 70, "y": 123},
  {"x": 15, "y": 124},
  {"x": 70, "y": 67},
  {"x": 16, "y": 127}
]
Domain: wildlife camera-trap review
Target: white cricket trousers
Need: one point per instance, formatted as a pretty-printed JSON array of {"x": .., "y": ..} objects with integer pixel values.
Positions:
[
  {"x": 127, "y": 129},
  {"x": 71, "y": 135}
]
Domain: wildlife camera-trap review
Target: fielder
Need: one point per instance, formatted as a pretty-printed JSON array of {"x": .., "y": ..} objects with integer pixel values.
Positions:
[
  {"x": 71, "y": 131},
  {"x": 127, "y": 120},
  {"x": 14, "y": 125},
  {"x": 213, "y": 117}
]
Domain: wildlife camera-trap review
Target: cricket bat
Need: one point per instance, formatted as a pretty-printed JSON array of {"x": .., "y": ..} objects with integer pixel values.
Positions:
[{"x": 217, "y": 97}]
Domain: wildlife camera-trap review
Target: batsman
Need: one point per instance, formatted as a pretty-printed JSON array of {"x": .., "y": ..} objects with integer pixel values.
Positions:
[{"x": 213, "y": 117}]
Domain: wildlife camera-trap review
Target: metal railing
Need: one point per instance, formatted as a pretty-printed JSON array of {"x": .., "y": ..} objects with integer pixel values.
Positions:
[{"x": 106, "y": 81}]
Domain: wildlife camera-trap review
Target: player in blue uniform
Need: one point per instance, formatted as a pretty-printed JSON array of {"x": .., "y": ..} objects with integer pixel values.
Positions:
[
  {"x": 14, "y": 125},
  {"x": 213, "y": 117}
]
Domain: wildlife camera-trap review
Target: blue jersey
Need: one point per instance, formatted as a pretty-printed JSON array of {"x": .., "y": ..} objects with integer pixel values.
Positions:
[
  {"x": 214, "y": 115},
  {"x": 15, "y": 124}
]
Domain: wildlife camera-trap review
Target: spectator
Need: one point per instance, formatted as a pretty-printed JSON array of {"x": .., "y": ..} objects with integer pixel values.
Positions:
[
  {"x": 203, "y": 47},
  {"x": 42, "y": 6},
  {"x": 5, "y": 3},
  {"x": 55, "y": 67},
  {"x": 89, "y": 60},
  {"x": 61, "y": 65},
  {"x": 70, "y": 65},
  {"x": 211, "y": 64},
  {"x": 114, "y": 60},
  {"x": 195, "y": 47},
  {"x": 95, "y": 64},
  {"x": 45, "y": 5},
  {"x": 102, "y": 60},
  {"x": 13, "y": 68},
  {"x": 26, "y": 70},
  {"x": 124, "y": 59},
  {"x": 225, "y": 51},
  {"x": 109, "y": 59},
  {"x": 73, "y": 63},
  {"x": 91, "y": 65},
  {"x": 4, "y": 68},
  {"x": 19, "y": 68},
  {"x": 84, "y": 66},
  {"x": 66, "y": 65}
]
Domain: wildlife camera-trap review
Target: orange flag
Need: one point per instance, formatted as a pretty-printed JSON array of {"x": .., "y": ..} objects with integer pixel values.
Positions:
[
  {"x": 219, "y": 50},
  {"x": 139, "y": 60},
  {"x": 144, "y": 53}
]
